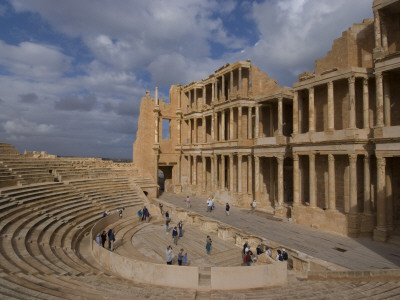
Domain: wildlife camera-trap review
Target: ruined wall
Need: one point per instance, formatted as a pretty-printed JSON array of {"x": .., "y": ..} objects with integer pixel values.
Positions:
[
  {"x": 261, "y": 83},
  {"x": 353, "y": 49}
]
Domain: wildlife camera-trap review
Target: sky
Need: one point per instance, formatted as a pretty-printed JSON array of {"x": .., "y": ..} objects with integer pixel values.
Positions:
[{"x": 72, "y": 73}]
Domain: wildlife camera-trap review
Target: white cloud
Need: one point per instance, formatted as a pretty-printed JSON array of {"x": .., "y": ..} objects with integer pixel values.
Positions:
[{"x": 21, "y": 128}]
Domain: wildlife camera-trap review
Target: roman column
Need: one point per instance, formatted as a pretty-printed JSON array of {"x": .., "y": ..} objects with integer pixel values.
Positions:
[
  {"x": 204, "y": 165},
  {"x": 379, "y": 99},
  {"x": 257, "y": 177},
  {"x": 222, "y": 172},
  {"x": 239, "y": 127},
  {"x": 331, "y": 182},
  {"x": 280, "y": 116},
  {"x": 195, "y": 136},
  {"x": 231, "y": 81},
  {"x": 353, "y": 182},
  {"x": 331, "y": 108},
  {"x": 194, "y": 179},
  {"x": 240, "y": 158},
  {"x": 367, "y": 185},
  {"x": 223, "y": 87},
  {"x": 312, "y": 180},
  {"x": 386, "y": 100},
  {"x": 311, "y": 109},
  {"x": 381, "y": 194},
  {"x": 195, "y": 99},
  {"x": 296, "y": 180},
  {"x": 295, "y": 112},
  {"x": 352, "y": 102},
  {"x": 204, "y": 125},
  {"x": 257, "y": 121},
  {"x": 240, "y": 81},
  {"x": 250, "y": 174},
  {"x": 365, "y": 103},
  {"x": 231, "y": 123},
  {"x": 231, "y": 185},
  {"x": 280, "y": 160},
  {"x": 222, "y": 125}
]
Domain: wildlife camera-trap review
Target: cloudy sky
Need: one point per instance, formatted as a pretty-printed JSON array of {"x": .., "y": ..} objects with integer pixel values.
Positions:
[{"x": 72, "y": 73}]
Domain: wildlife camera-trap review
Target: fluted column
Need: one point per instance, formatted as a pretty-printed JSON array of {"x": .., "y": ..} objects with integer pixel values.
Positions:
[
  {"x": 195, "y": 98},
  {"x": 157, "y": 126},
  {"x": 194, "y": 179},
  {"x": 296, "y": 180},
  {"x": 231, "y": 173},
  {"x": 312, "y": 180},
  {"x": 216, "y": 127},
  {"x": 204, "y": 165},
  {"x": 231, "y": 82},
  {"x": 280, "y": 117},
  {"x": 352, "y": 102},
  {"x": 311, "y": 109},
  {"x": 240, "y": 80},
  {"x": 223, "y": 125},
  {"x": 249, "y": 123},
  {"x": 331, "y": 182},
  {"x": 239, "y": 127},
  {"x": 212, "y": 127},
  {"x": 212, "y": 92},
  {"x": 178, "y": 125},
  {"x": 257, "y": 177},
  {"x": 379, "y": 99},
  {"x": 257, "y": 121},
  {"x": 240, "y": 158},
  {"x": 365, "y": 103},
  {"x": 190, "y": 131},
  {"x": 249, "y": 174},
  {"x": 367, "y": 185},
  {"x": 331, "y": 108},
  {"x": 195, "y": 136},
  {"x": 250, "y": 80},
  {"x": 353, "y": 182},
  {"x": 386, "y": 100},
  {"x": 295, "y": 112},
  {"x": 179, "y": 166},
  {"x": 204, "y": 130},
  {"x": 222, "y": 172},
  {"x": 189, "y": 169},
  {"x": 223, "y": 87},
  {"x": 377, "y": 29},
  {"x": 231, "y": 123},
  {"x": 215, "y": 168},
  {"x": 280, "y": 180},
  {"x": 381, "y": 194}
]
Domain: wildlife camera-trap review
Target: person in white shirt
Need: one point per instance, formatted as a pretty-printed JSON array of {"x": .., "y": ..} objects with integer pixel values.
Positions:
[{"x": 168, "y": 254}]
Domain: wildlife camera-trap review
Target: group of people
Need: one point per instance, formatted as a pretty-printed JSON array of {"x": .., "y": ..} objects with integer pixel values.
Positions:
[
  {"x": 249, "y": 257},
  {"x": 182, "y": 258},
  {"x": 102, "y": 238},
  {"x": 175, "y": 232},
  {"x": 144, "y": 214},
  {"x": 210, "y": 204}
]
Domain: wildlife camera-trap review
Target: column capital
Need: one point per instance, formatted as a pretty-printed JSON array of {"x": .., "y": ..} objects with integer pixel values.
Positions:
[
  {"x": 381, "y": 161},
  {"x": 280, "y": 159},
  {"x": 311, "y": 89},
  {"x": 331, "y": 157},
  {"x": 295, "y": 156},
  {"x": 330, "y": 84},
  {"x": 378, "y": 75},
  {"x": 256, "y": 159},
  {"x": 352, "y": 158},
  {"x": 365, "y": 81},
  {"x": 351, "y": 79}
]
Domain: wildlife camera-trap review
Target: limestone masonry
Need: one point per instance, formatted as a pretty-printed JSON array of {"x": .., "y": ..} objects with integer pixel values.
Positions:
[{"x": 325, "y": 152}]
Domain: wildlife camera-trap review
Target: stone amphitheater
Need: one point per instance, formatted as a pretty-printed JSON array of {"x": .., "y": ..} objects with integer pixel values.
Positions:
[{"x": 50, "y": 207}]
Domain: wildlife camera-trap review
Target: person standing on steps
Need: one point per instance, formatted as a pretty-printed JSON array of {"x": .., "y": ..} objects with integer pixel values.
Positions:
[
  {"x": 180, "y": 257},
  {"x": 253, "y": 206},
  {"x": 160, "y": 205},
  {"x": 168, "y": 254},
  {"x": 180, "y": 227},
  {"x": 188, "y": 202},
  {"x": 167, "y": 220},
  {"x": 103, "y": 238},
  {"x": 175, "y": 235},
  {"x": 208, "y": 244},
  {"x": 227, "y": 208},
  {"x": 111, "y": 239}
]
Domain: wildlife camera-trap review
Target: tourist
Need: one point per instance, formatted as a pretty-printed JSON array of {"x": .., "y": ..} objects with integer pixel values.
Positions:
[
  {"x": 208, "y": 244},
  {"x": 209, "y": 204},
  {"x": 253, "y": 206},
  {"x": 180, "y": 227},
  {"x": 180, "y": 257},
  {"x": 227, "y": 208},
  {"x": 268, "y": 252},
  {"x": 244, "y": 248},
  {"x": 168, "y": 254},
  {"x": 259, "y": 250},
  {"x": 279, "y": 256},
  {"x": 147, "y": 215},
  {"x": 188, "y": 202},
  {"x": 167, "y": 221},
  {"x": 111, "y": 239},
  {"x": 140, "y": 214},
  {"x": 98, "y": 239},
  {"x": 119, "y": 213},
  {"x": 284, "y": 254},
  {"x": 175, "y": 235},
  {"x": 160, "y": 205},
  {"x": 103, "y": 238},
  {"x": 144, "y": 211},
  {"x": 248, "y": 258}
]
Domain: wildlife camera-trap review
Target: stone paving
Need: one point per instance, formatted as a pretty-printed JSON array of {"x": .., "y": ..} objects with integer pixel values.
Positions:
[{"x": 359, "y": 254}]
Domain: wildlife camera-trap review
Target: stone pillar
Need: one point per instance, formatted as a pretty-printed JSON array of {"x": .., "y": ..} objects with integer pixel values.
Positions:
[
  {"x": 222, "y": 125},
  {"x": 381, "y": 227},
  {"x": 240, "y": 158},
  {"x": 379, "y": 99},
  {"x": 212, "y": 127},
  {"x": 179, "y": 171},
  {"x": 190, "y": 131},
  {"x": 384, "y": 36},
  {"x": 194, "y": 179},
  {"x": 353, "y": 183},
  {"x": 352, "y": 102},
  {"x": 389, "y": 198},
  {"x": 365, "y": 103},
  {"x": 249, "y": 174},
  {"x": 216, "y": 94},
  {"x": 204, "y": 127},
  {"x": 311, "y": 118},
  {"x": 231, "y": 123},
  {"x": 386, "y": 100},
  {"x": 331, "y": 182},
  {"x": 231, "y": 185},
  {"x": 231, "y": 81},
  {"x": 195, "y": 136},
  {"x": 280, "y": 117},
  {"x": 367, "y": 185},
  {"x": 204, "y": 95},
  {"x": 157, "y": 126},
  {"x": 331, "y": 108},
  {"x": 240, "y": 80},
  {"x": 296, "y": 180},
  {"x": 377, "y": 29},
  {"x": 204, "y": 164},
  {"x": 257, "y": 177},
  {"x": 156, "y": 97},
  {"x": 212, "y": 92},
  {"x": 249, "y": 123},
  {"x": 214, "y": 171},
  {"x": 257, "y": 121},
  {"x": 312, "y": 181},
  {"x": 222, "y": 172},
  {"x": 250, "y": 81},
  {"x": 280, "y": 180},
  {"x": 178, "y": 124},
  {"x": 295, "y": 112},
  {"x": 195, "y": 98},
  {"x": 156, "y": 158},
  {"x": 239, "y": 127},
  {"x": 223, "y": 87}
]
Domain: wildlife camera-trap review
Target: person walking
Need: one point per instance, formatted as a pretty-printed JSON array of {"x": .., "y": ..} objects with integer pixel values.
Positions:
[
  {"x": 175, "y": 235},
  {"x": 253, "y": 206},
  {"x": 111, "y": 239},
  {"x": 188, "y": 205},
  {"x": 180, "y": 257},
  {"x": 180, "y": 227},
  {"x": 168, "y": 254},
  {"x": 209, "y": 204},
  {"x": 167, "y": 221},
  {"x": 103, "y": 238},
  {"x": 227, "y": 208},
  {"x": 208, "y": 244},
  {"x": 160, "y": 205}
]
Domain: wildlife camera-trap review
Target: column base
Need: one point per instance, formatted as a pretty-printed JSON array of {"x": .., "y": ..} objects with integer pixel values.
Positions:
[{"x": 381, "y": 234}]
